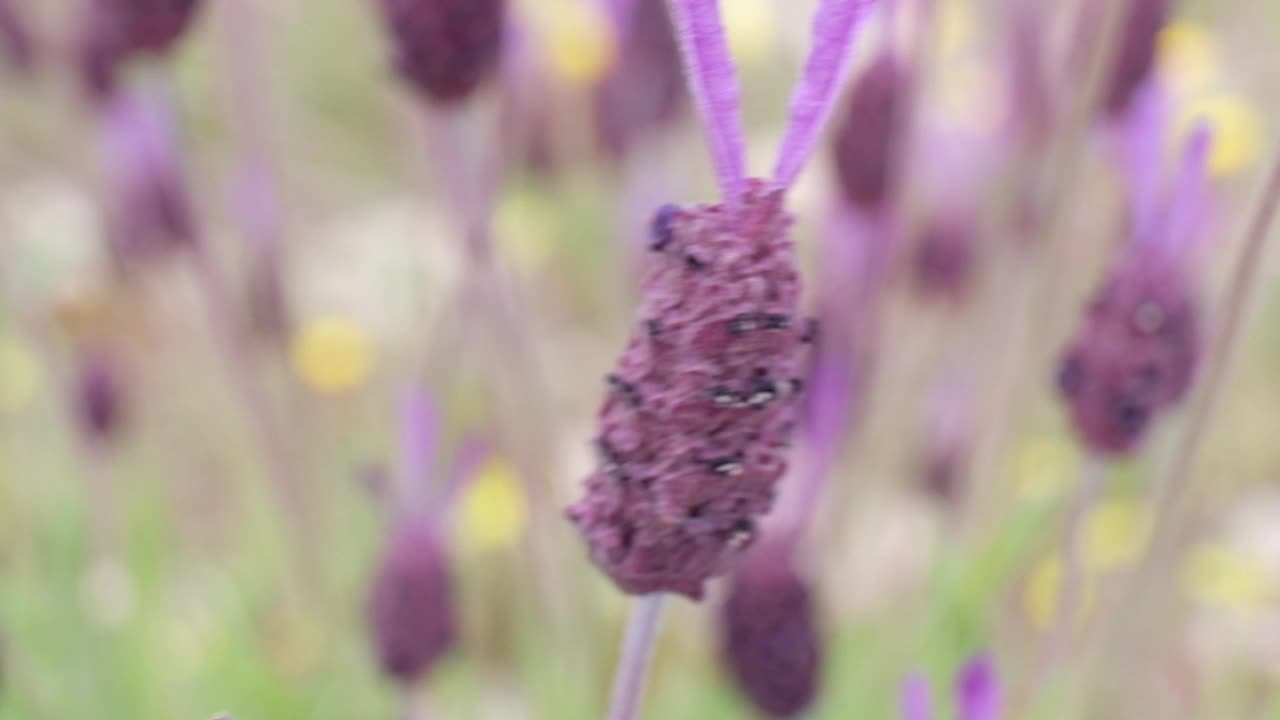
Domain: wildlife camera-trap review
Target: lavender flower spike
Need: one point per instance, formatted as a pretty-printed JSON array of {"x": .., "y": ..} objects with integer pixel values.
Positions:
[
  {"x": 833, "y": 33},
  {"x": 713, "y": 82}
]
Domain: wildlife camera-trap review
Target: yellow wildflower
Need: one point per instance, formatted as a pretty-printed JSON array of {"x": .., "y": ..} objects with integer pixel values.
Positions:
[
  {"x": 1224, "y": 578},
  {"x": 332, "y": 355},
  {"x": 1188, "y": 58},
  {"x": 494, "y": 510},
  {"x": 1044, "y": 590},
  {"x": 1044, "y": 466},
  {"x": 20, "y": 376},
  {"x": 1115, "y": 534},
  {"x": 581, "y": 41}
]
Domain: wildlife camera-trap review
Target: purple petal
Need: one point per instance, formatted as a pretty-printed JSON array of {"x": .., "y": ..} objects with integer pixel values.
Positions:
[
  {"x": 833, "y": 31},
  {"x": 1186, "y": 198},
  {"x": 713, "y": 83},
  {"x": 1142, "y": 138},
  {"x": 915, "y": 699},
  {"x": 419, "y": 435},
  {"x": 978, "y": 693}
]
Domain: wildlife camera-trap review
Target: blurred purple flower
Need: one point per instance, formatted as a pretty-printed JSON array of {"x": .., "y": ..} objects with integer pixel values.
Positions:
[
  {"x": 411, "y": 606},
  {"x": 869, "y": 137},
  {"x": 770, "y": 640},
  {"x": 645, "y": 90},
  {"x": 16, "y": 43},
  {"x": 694, "y": 432},
  {"x": 1140, "y": 26},
  {"x": 944, "y": 259},
  {"x": 150, "y": 210},
  {"x": 978, "y": 695},
  {"x": 99, "y": 398},
  {"x": 445, "y": 49},
  {"x": 115, "y": 31},
  {"x": 1136, "y": 353}
]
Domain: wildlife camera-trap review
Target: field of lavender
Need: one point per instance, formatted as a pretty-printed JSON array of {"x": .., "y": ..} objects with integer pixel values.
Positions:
[{"x": 670, "y": 359}]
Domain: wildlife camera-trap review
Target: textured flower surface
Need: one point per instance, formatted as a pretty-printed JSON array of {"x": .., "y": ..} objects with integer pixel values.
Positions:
[
  {"x": 445, "y": 48},
  {"x": 411, "y": 611},
  {"x": 771, "y": 643},
  {"x": 1135, "y": 354},
  {"x": 869, "y": 136},
  {"x": 694, "y": 431}
]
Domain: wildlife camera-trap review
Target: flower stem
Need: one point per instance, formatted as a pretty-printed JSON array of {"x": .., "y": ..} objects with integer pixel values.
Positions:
[
  {"x": 637, "y": 651},
  {"x": 1069, "y": 595}
]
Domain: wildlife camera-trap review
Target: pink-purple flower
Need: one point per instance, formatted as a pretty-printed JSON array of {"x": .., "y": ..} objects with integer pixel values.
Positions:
[{"x": 977, "y": 694}]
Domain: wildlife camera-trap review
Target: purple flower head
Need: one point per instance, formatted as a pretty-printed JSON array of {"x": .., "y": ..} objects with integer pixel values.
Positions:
[
  {"x": 645, "y": 89},
  {"x": 411, "y": 609},
  {"x": 117, "y": 30},
  {"x": 16, "y": 44},
  {"x": 1136, "y": 352},
  {"x": 1139, "y": 30},
  {"x": 869, "y": 138},
  {"x": 978, "y": 695},
  {"x": 695, "y": 426},
  {"x": 445, "y": 49},
  {"x": 150, "y": 208},
  {"x": 1134, "y": 355},
  {"x": 944, "y": 260},
  {"x": 771, "y": 644},
  {"x": 699, "y": 410},
  {"x": 99, "y": 398}
]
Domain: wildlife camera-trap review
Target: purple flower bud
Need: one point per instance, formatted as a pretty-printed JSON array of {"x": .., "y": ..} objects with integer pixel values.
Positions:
[
  {"x": 411, "y": 611},
  {"x": 943, "y": 262},
  {"x": 151, "y": 210},
  {"x": 1139, "y": 30},
  {"x": 445, "y": 48},
  {"x": 646, "y": 88},
  {"x": 694, "y": 431},
  {"x": 99, "y": 399},
  {"x": 869, "y": 138},
  {"x": 117, "y": 30},
  {"x": 16, "y": 43},
  {"x": 771, "y": 643},
  {"x": 1134, "y": 355},
  {"x": 978, "y": 693}
]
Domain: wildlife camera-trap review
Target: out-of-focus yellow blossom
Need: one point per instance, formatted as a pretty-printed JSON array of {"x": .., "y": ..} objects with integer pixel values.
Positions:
[
  {"x": 332, "y": 354},
  {"x": 20, "y": 376},
  {"x": 957, "y": 26},
  {"x": 1237, "y": 131},
  {"x": 521, "y": 222},
  {"x": 1223, "y": 578},
  {"x": 970, "y": 96},
  {"x": 295, "y": 644},
  {"x": 1115, "y": 534},
  {"x": 1044, "y": 466},
  {"x": 581, "y": 41},
  {"x": 494, "y": 510},
  {"x": 1188, "y": 58},
  {"x": 752, "y": 28},
  {"x": 1044, "y": 589}
]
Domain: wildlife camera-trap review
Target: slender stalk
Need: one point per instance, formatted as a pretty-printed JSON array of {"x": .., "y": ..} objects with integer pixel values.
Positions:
[
  {"x": 637, "y": 652},
  {"x": 1176, "y": 492}
]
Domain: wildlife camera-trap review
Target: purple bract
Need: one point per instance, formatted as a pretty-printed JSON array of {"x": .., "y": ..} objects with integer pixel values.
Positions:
[
  {"x": 694, "y": 431},
  {"x": 646, "y": 88},
  {"x": 1139, "y": 29}
]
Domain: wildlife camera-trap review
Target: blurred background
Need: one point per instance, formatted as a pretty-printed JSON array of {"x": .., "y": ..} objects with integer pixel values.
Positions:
[{"x": 214, "y": 400}]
